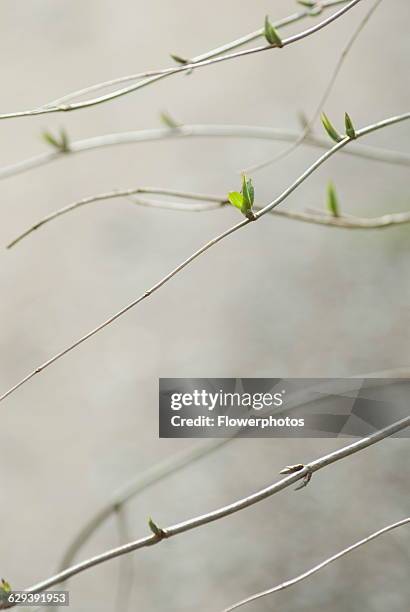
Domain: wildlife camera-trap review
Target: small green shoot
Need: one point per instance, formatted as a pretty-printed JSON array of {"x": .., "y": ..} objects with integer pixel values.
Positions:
[
  {"x": 315, "y": 7},
  {"x": 5, "y": 586},
  {"x": 332, "y": 200},
  {"x": 169, "y": 121},
  {"x": 5, "y": 589},
  {"x": 61, "y": 143},
  {"x": 307, "y": 3},
  {"x": 160, "y": 533},
  {"x": 271, "y": 34},
  {"x": 330, "y": 129},
  {"x": 350, "y": 131},
  {"x": 178, "y": 59},
  {"x": 244, "y": 199}
]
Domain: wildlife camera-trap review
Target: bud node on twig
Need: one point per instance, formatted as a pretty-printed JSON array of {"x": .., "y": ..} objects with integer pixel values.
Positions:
[
  {"x": 306, "y": 479},
  {"x": 291, "y": 469},
  {"x": 161, "y": 534}
]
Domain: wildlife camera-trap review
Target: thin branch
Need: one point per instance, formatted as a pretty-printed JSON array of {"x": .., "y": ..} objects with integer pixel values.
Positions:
[
  {"x": 239, "y": 42},
  {"x": 126, "y": 193},
  {"x": 317, "y": 568},
  {"x": 321, "y": 160},
  {"x": 178, "y": 462},
  {"x": 213, "y": 202},
  {"x": 142, "y": 482},
  {"x": 360, "y": 133},
  {"x": 171, "y": 466},
  {"x": 325, "y": 95},
  {"x": 125, "y": 580},
  {"x": 199, "y": 131},
  {"x": 347, "y": 222},
  {"x": 131, "y": 305},
  {"x": 210, "y": 517},
  {"x": 160, "y": 74}
]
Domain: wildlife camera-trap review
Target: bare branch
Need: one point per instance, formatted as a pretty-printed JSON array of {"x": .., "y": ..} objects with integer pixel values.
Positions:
[
  {"x": 162, "y": 471},
  {"x": 160, "y": 74},
  {"x": 210, "y": 517},
  {"x": 200, "y": 131},
  {"x": 347, "y": 222},
  {"x": 317, "y": 568},
  {"x": 325, "y": 96},
  {"x": 321, "y": 160},
  {"x": 327, "y": 155},
  {"x": 173, "y": 465},
  {"x": 213, "y": 202},
  {"x": 143, "y": 481},
  {"x": 308, "y": 12},
  {"x": 216, "y": 203},
  {"x": 125, "y": 578}
]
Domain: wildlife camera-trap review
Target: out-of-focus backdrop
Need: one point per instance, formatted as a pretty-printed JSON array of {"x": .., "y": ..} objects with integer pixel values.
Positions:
[{"x": 278, "y": 299}]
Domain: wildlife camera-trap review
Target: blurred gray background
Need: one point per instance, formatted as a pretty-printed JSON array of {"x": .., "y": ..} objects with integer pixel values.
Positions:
[{"x": 278, "y": 299}]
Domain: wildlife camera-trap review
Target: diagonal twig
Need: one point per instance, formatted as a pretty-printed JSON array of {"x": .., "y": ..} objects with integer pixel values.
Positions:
[
  {"x": 140, "y": 483},
  {"x": 235, "y": 44},
  {"x": 318, "y": 567},
  {"x": 160, "y": 74},
  {"x": 325, "y": 95},
  {"x": 220, "y": 513},
  {"x": 276, "y": 202}
]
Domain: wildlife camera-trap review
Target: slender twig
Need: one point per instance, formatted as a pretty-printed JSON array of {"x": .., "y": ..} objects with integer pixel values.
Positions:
[
  {"x": 173, "y": 465},
  {"x": 160, "y": 74},
  {"x": 321, "y": 160},
  {"x": 325, "y": 95},
  {"x": 317, "y": 568},
  {"x": 246, "y": 502},
  {"x": 126, "y": 193},
  {"x": 139, "y": 484},
  {"x": 142, "y": 482},
  {"x": 360, "y": 133},
  {"x": 347, "y": 222},
  {"x": 178, "y": 462},
  {"x": 239, "y": 42},
  {"x": 131, "y": 305},
  {"x": 213, "y": 202},
  {"x": 199, "y": 131},
  {"x": 125, "y": 578}
]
